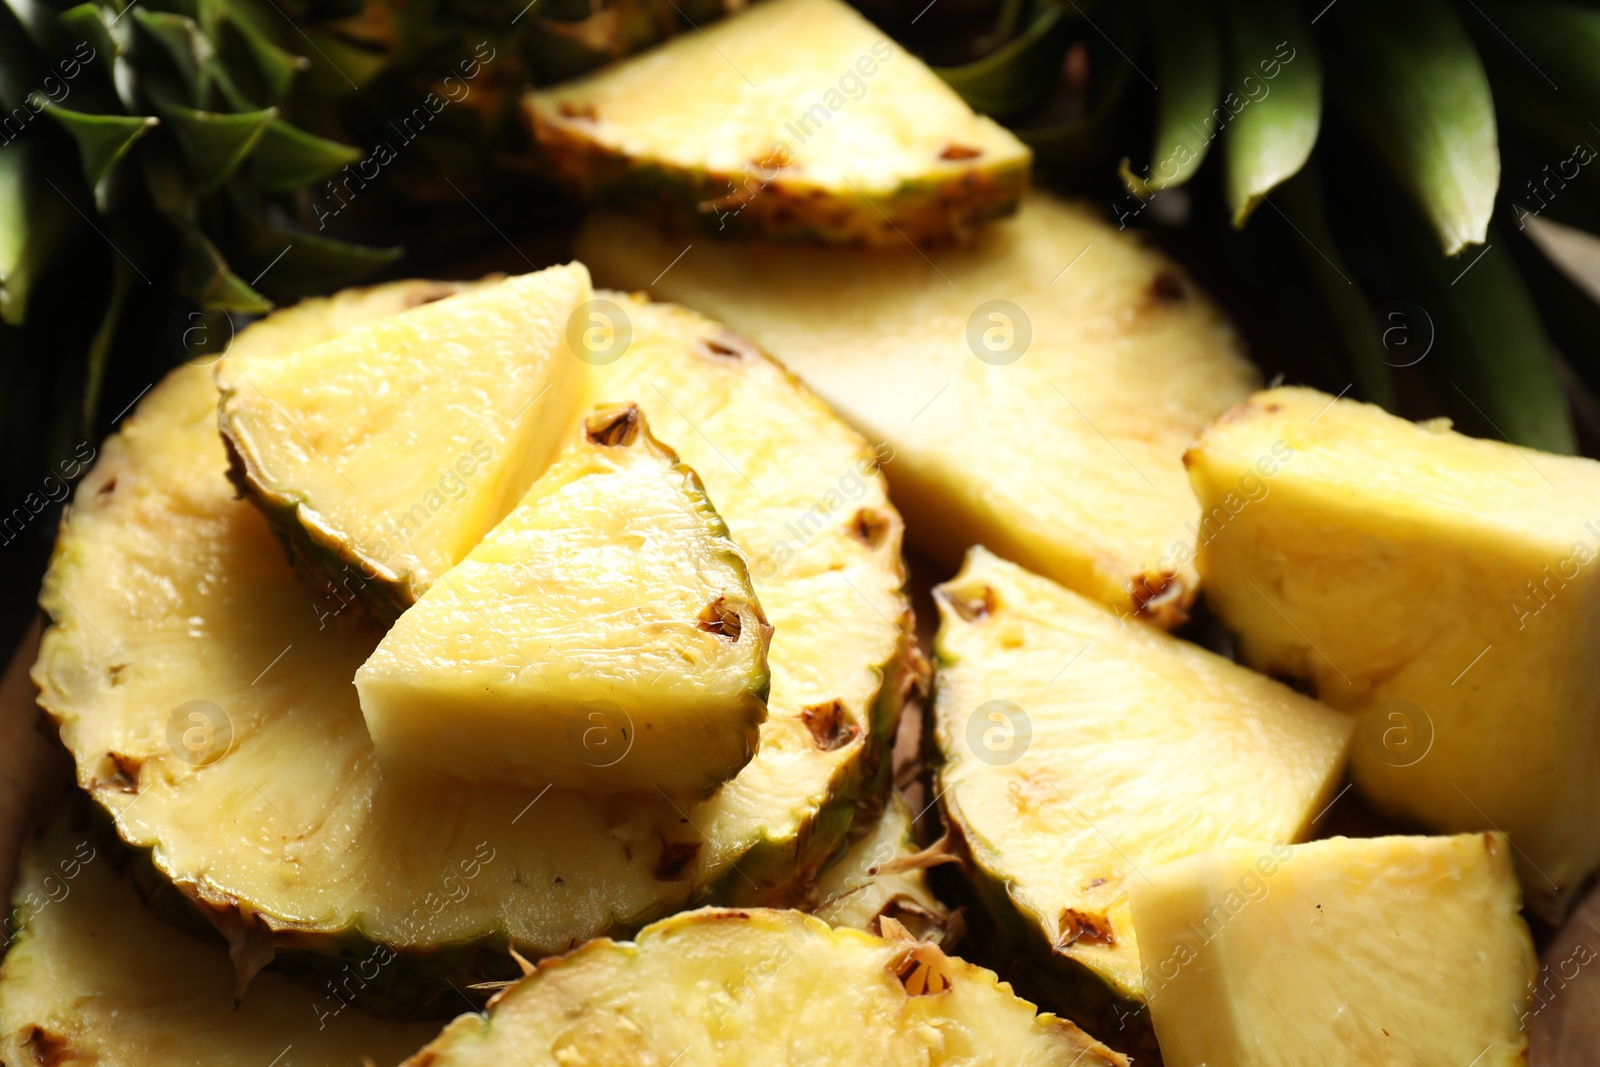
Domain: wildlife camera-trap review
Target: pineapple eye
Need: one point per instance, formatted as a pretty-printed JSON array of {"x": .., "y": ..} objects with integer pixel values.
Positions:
[
  {"x": 614, "y": 427},
  {"x": 829, "y": 727},
  {"x": 721, "y": 618},
  {"x": 972, "y": 604}
]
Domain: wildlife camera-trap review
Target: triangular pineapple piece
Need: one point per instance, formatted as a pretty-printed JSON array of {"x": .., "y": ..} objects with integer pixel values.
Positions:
[
  {"x": 1339, "y": 953},
  {"x": 603, "y": 637},
  {"x": 1444, "y": 588},
  {"x": 1079, "y": 750},
  {"x": 1053, "y": 338},
  {"x": 795, "y": 118},
  {"x": 92, "y": 975},
  {"x": 716, "y": 988},
  {"x": 384, "y": 454}
]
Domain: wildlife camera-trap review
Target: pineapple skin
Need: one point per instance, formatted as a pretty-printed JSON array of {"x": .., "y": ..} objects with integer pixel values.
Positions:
[
  {"x": 1406, "y": 569},
  {"x": 773, "y": 865},
  {"x": 930, "y": 211},
  {"x": 880, "y": 875},
  {"x": 761, "y": 986}
]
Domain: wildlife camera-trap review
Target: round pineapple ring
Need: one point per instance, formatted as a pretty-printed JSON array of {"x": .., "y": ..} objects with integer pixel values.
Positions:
[{"x": 206, "y": 693}]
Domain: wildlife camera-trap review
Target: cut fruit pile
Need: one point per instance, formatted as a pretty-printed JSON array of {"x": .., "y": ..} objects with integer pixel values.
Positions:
[
  {"x": 799, "y": 119},
  {"x": 446, "y": 627}
]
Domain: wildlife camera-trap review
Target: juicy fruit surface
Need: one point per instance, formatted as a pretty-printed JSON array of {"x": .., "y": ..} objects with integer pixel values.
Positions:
[
  {"x": 1440, "y": 586},
  {"x": 1121, "y": 363},
  {"x": 1339, "y": 953},
  {"x": 394, "y": 446},
  {"x": 882, "y": 875},
  {"x": 796, "y": 118},
  {"x": 93, "y": 976},
  {"x": 269, "y": 811},
  {"x": 741, "y": 987},
  {"x": 604, "y": 636},
  {"x": 1079, "y": 750}
]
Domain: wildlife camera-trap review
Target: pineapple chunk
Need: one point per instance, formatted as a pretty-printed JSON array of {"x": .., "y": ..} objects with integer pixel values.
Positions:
[
  {"x": 1079, "y": 750},
  {"x": 1439, "y": 586},
  {"x": 604, "y": 637},
  {"x": 794, "y": 119},
  {"x": 882, "y": 876},
  {"x": 205, "y": 695},
  {"x": 1338, "y": 953},
  {"x": 385, "y": 453},
  {"x": 1099, "y": 378},
  {"x": 92, "y": 976},
  {"x": 717, "y": 988}
]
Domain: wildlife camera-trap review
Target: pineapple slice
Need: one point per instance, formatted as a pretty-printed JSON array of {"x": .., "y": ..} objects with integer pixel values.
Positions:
[
  {"x": 91, "y": 975},
  {"x": 386, "y": 452},
  {"x": 1079, "y": 750},
  {"x": 1338, "y": 953},
  {"x": 793, "y": 119},
  {"x": 1439, "y": 586},
  {"x": 205, "y": 694},
  {"x": 881, "y": 876},
  {"x": 604, "y": 637},
  {"x": 714, "y": 987},
  {"x": 1101, "y": 373}
]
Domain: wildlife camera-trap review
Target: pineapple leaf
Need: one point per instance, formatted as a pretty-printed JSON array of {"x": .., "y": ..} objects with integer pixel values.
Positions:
[
  {"x": 33, "y": 223},
  {"x": 288, "y": 158},
  {"x": 105, "y": 336},
  {"x": 203, "y": 275},
  {"x": 1189, "y": 61},
  {"x": 311, "y": 263},
  {"x": 1018, "y": 74},
  {"x": 1492, "y": 361},
  {"x": 88, "y": 21},
  {"x": 1409, "y": 79},
  {"x": 1346, "y": 304},
  {"x": 102, "y": 141},
  {"x": 215, "y": 143},
  {"x": 183, "y": 42},
  {"x": 1270, "y": 135}
]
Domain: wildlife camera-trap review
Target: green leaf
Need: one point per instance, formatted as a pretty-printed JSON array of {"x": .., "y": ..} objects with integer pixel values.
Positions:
[
  {"x": 1347, "y": 306},
  {"x": 1019, "y": 74},
  {"x": 310, "y": 263},
  {"x": 1272, "y": 101},
  {"x": 1189, "y": 64},
  {"x": 1492, "y": 360},
  {"x": 1569, "y": 313},
  {"x": 104, "y": 337},
  {"x": 214, "y": 143},
  {"x": 204, "y": 277},
  {"x": 183, "y": 42},
  {"x": 288, "y": 158},
  {"x": 89, "y": 21},
  {"x": 102, "y": 141},
  {"x": 1408, "y": 77},
  {"x": 35, "y": 221}
]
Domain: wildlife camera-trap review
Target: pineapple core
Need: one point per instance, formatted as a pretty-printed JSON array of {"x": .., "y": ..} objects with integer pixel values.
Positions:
[
  {"x": 603, "y": 637},
  {"x": 1441, "y": 588}
]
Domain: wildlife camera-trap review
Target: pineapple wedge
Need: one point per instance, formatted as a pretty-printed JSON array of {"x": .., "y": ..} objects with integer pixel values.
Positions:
[
  {"x": 882, "y": 876},
  {"x": 794, "y": 119},
  {"x": 604, "y": 637},
  {"x": 1079, "y": 750},
  {"x": 205, "y": 694},
  {"x": 92, "y": 976},
  {"x": 1439, "y": 586},
  {"x": 1101, "y": 373},
  {"x": 1338, "y": 953},
  {"x": 719, "y": 988},
  {"x": 385, "y": 453}
]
